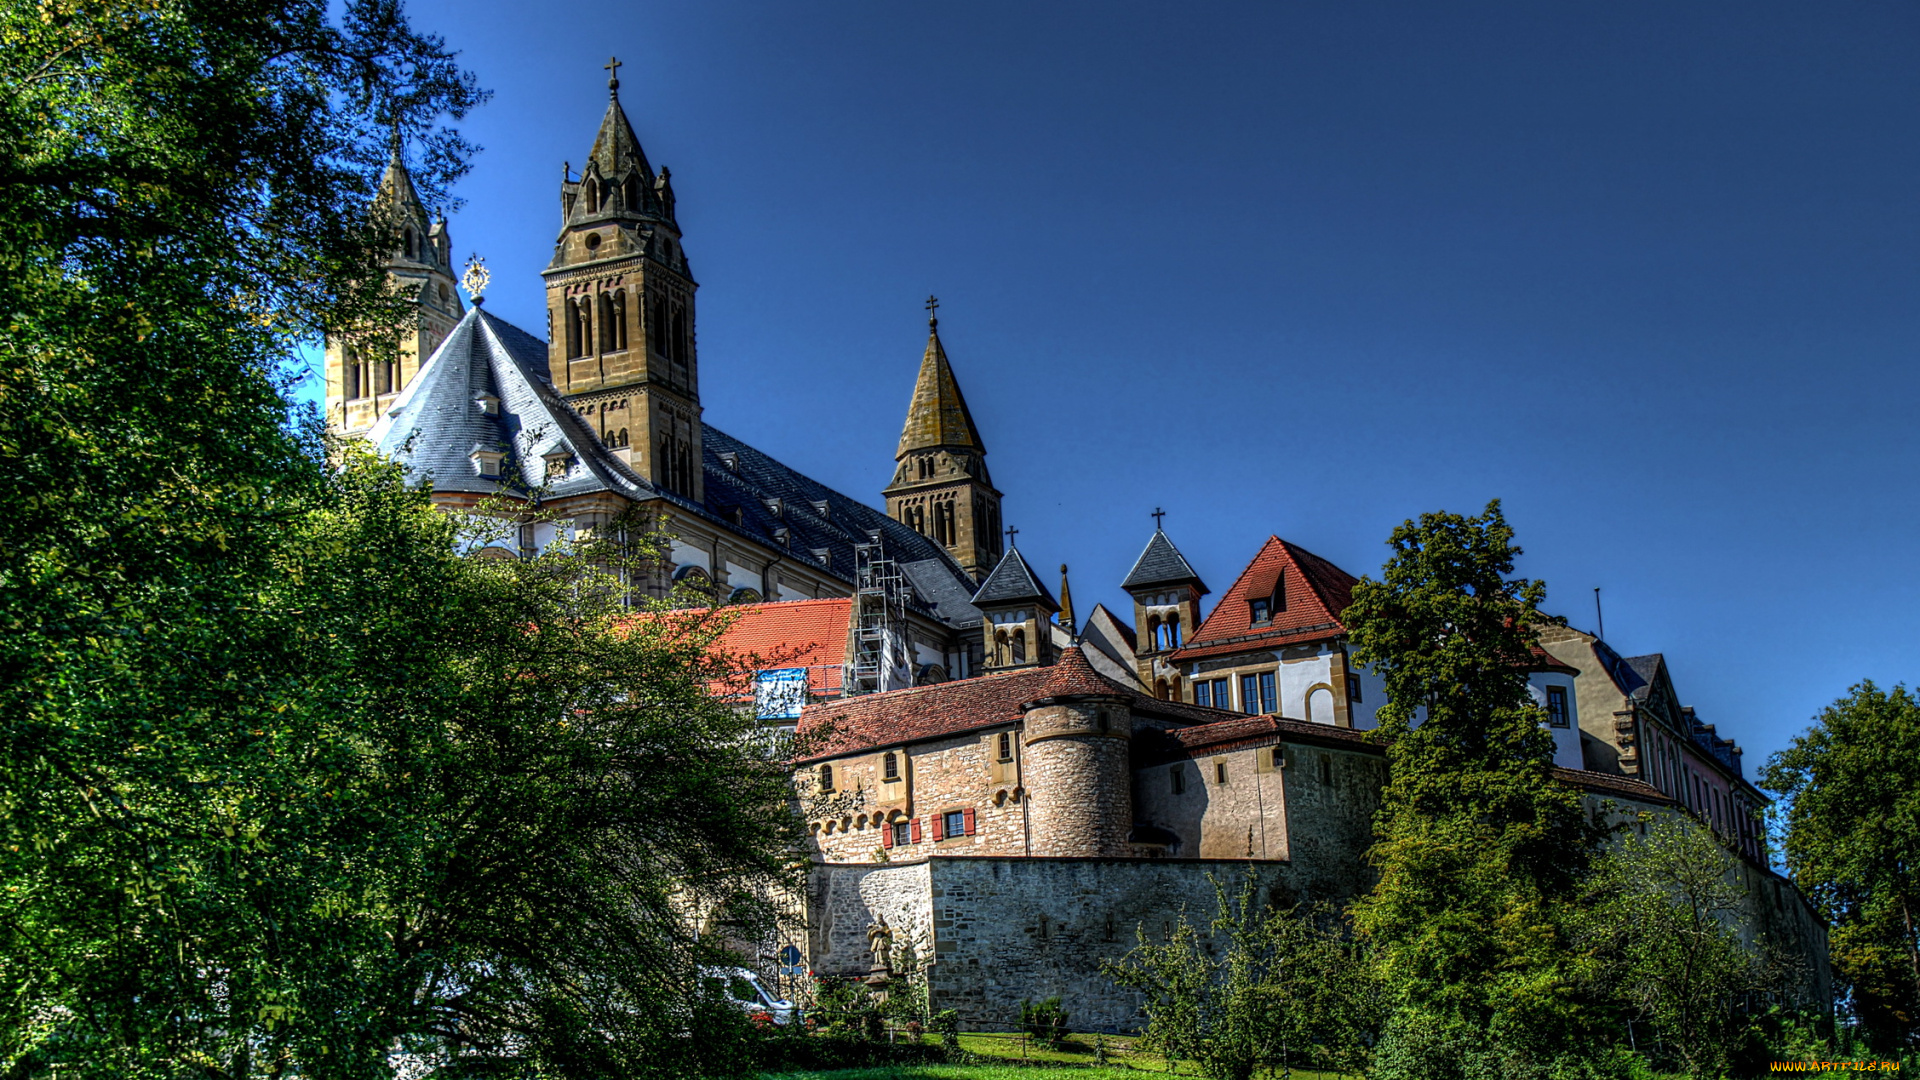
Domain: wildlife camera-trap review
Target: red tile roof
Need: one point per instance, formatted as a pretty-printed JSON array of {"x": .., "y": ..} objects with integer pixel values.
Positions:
[
  {"x": 788, "y": 634},
  {"x": 853, "y": 725},
  {"x": 1237, "y": 732},
  {"x": 1315, "y": 593},
  {"x": 1607, "y": 783}
]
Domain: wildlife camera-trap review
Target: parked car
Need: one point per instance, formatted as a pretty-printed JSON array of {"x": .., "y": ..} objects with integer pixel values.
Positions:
[{"x": 745, "y": 989}]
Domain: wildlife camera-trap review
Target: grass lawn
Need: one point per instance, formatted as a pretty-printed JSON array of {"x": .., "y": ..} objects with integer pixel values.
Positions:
[
  {"x": 1073, "y": 1061},
  {"x": 960, "y": 1072}
]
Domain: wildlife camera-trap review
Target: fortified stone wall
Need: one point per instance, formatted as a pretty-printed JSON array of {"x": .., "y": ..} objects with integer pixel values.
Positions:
[
  {"x": 1013, "y": 930},
  {"x": 964, "y": 772},
  {"x": 845, "y": 900}
]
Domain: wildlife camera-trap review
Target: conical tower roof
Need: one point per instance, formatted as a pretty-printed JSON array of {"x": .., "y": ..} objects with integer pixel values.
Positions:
[
  {"x": 937, "y": 415},
  {"x": 1013, "y": 582},
  {"x": 616, "y": 148},
  {"x": 1161, "y": 564},
  {"x": 396, "y": 188}
]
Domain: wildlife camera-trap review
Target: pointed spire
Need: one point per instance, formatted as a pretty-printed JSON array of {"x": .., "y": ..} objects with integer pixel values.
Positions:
[
  {"x": 615, "y": 146},
  {"x": 1066, "y": 605},
  {"x": 1013, "y": 582},
  {"x": 396, "y": 184},
  {"x": 1160, "y": 564},
  {"x": 937, "y": 415}
]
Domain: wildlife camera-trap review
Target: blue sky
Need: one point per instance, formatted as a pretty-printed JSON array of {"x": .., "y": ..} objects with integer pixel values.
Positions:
[{"x": 1647, "y": 272}]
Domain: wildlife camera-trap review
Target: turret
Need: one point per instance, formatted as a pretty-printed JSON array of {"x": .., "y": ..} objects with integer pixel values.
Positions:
[
  {"x": 940, "y": 485},
  {"x": 1016, "y": 616},
  {"x": 1076, "y": 743},
  {"x": 1166, "y": 611}
]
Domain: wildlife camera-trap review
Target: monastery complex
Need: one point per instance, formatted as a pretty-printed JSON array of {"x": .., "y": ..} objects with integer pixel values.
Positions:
[{"x": 1016, "y": 787}]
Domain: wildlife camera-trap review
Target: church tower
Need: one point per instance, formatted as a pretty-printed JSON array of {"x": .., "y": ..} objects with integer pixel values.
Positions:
[
  {"x": 940, "y": 484},
  {"x": 360, "y": 385},
  {"x": 1166, "y": 611},
  {"x": 620, "y": 341}
]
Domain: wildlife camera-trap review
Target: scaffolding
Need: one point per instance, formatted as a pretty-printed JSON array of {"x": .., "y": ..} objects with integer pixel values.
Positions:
[{"x": 882, "y": 649}]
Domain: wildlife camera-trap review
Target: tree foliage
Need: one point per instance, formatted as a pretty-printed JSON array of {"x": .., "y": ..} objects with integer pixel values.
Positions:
[
  {"x": 290, "y": 786},
  {"x": 1477, "y": 846},
  {"x": 1850, "y": 789}
]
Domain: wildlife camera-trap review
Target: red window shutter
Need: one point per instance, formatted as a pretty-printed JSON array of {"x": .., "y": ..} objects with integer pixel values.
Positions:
[
  {"x": 913, "y": 830},
  {"x": 969, "y": 815},
  {"x": 886, "y": 834},
  {"x": 938, "y": 823}
]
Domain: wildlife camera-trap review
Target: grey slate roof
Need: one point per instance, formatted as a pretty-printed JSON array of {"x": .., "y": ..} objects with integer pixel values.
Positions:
[
  {"x": 1011, "y": 582},
  {"x": 437, "y": 423},
  {"x": 1160, "y": 564}
]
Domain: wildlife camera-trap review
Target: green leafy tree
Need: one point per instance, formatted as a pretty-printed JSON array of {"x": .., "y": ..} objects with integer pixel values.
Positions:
[
  {"x": 1850, "y": 789},
  {"x": 1661, "y": 916},
  {"x": 1478, "y": 847},
  {"x": 1277, "y": 987}
]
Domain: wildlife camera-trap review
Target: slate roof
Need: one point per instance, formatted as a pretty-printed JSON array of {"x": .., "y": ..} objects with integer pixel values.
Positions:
[
  {"x": 615, "y": 146},
  {"x": 859, "y": 724},
  {"x": 937, "y": 414},
  {"x": 1315, "y": 592},
  {"x": 1011, "y": 582},
  {"x": 436, "y": 424},
  {"x": 1160, "y": 563}
]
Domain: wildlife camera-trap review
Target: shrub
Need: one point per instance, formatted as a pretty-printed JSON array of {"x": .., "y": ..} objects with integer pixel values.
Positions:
[{"x": 1044, "y": 1020}]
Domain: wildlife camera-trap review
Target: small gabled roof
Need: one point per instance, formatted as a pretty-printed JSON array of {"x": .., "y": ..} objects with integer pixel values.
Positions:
[
  {"x": 1315, "y": 593},
  {"x": 1013, "y": 582},
  {"x": 1161, "y": 564},
  {"x": 937, "y": 415}
]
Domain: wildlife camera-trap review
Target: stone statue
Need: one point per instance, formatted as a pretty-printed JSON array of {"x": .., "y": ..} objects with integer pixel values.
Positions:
[{"x": 880, "y": 943}]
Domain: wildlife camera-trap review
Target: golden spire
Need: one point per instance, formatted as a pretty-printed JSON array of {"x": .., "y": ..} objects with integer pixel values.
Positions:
[{"x": 1066, "y": 605}]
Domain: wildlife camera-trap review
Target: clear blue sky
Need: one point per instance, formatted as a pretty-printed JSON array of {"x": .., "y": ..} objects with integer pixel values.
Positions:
[{"x": 1648, "y": 272}]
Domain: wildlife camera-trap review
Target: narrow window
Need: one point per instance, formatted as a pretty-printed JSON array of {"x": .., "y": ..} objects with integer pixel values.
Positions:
[
  {"x": 1269, "y": 702},
  {"x": 890, "y": 768},
  {"x": 826, "y": 778},
  {"x": 1178, "y": 775},
  {"x": 902, "y": 833},
  {"x": 1326, "y": 768},
  {"x": 1006, "y": 746},
  {"x": 1277, "y": 757},
  {"x": 1019, "y": 646},
  {"x": 1557, "y": 706},
  {"x": 1219, "y": 772},
  {"x": 1353, "y": 689},
  {"x": 1203, "y": 694},
  {"x": 1250, "y": 693}
]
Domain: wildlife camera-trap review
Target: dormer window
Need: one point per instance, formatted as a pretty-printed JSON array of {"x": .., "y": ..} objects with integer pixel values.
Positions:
[
  {"x": 825, "y": 555},
  {"x": 559, "y": 463},
  {"x": 1262, "y": 610},
  {"x": 775, "y": 507},
  {"x": 783, "y": 536},
  {"x": 487, "y": 463},
  {"x": 822, "y": 507},
  {"x": 731, "y": 460},
  {"x": 1266, "y": 595},
  {"x": 489, "y": 405}
]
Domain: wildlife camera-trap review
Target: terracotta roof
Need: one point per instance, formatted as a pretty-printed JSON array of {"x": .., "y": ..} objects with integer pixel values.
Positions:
[
  {"x": 853, "y": 725},
  {"x": 1233, "y": 732},
  {"x": 1611, "y": 784},
  {"x": 793, "y": 633},
  {"x": 1313, "y": 590},
  {"x": 1546, "y": 661}
]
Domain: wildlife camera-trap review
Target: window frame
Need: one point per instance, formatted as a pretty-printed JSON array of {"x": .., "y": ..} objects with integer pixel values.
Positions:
[
  {"x": 948, "y": 818},
  {"x": 1561, "y": 717}
]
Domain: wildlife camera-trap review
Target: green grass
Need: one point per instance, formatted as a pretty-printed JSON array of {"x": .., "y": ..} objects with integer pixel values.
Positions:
[
  {"x": 1005, "y": 1061},
  {"x": 960, "y": 1072}
]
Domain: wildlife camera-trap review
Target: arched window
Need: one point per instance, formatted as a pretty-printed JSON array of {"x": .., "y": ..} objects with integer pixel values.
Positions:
[
  {"x": 604, "y": 305},
  {"x": 593, "y": 194},
  {"x": 632, "y": 193},
  {"x": 657, "y": 326},
  {"x": 680, "y": 336},
  {"x": 623, "y": 436},
  {"x": 620, "y": 319},
  {"x": 1020, "y": 646},
  {"x": 382, "y": 373},
  {"x": 410, "y": 247},
  {"x": 826, "y": 778},
  {"x": 586, "y": 326},
  {"x": 999, "y": 648},
  {"x": 890, "y": 766},
  {"x": 350, "y": 360},
  {"x": 573, "y": 330}
]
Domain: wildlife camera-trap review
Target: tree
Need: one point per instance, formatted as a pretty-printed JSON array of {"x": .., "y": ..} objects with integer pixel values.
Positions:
[
  {"x": 1276, "y": 987},
  {"x": 1660, "y": 915},
  {"x": 289, "y": 786},
  {"x": 1477, "y": 846},
  {"x": 1850, "y": 794}
]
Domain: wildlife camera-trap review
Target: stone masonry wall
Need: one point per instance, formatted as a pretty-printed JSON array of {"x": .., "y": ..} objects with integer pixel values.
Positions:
[
  {"x": 1008, "y": 930},
  {"x": 959, "y": 773},
  {"x": 846, "y": 899},
  {"x": 1080, "y": 797}
]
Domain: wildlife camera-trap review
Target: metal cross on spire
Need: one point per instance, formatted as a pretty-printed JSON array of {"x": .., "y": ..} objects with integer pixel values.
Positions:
[
  {"x": 613, "y": 67},
  {"x": 1157, "y": 515},
  {"x": 1011, "y": 533},
  {"x": 933, "y": 311}
]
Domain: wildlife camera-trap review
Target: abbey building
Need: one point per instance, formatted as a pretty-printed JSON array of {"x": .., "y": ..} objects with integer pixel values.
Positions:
[{"x": 1014, "y": 786}]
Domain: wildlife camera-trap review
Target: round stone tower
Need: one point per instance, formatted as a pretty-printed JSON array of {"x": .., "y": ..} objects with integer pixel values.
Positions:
[{"x": 1074, "y": 766}]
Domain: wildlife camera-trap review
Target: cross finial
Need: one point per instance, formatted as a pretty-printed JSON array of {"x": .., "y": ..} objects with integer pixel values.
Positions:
[
  {"x": 933, "y": 312},
  {"x": 1157, "y": 515},
  {"x": 1011, "y": 533},
  {"x": 613, "y": 67}
]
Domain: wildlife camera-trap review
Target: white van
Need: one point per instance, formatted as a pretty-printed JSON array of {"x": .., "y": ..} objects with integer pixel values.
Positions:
[{"x": 745, "y": 989}]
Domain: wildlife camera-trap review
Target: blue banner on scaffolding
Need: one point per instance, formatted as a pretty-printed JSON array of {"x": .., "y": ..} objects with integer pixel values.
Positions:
[{"x": 779, "y": 693}]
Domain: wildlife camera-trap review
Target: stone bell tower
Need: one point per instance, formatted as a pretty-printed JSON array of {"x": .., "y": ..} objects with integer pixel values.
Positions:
[
  {"x": 1016, "y": 616},
  {"x": 620, "y": 341},
  {"x": 940, "y": 484},
  {"x": 363, "y": 383},
  {"x": 1166, "y": 611}
]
